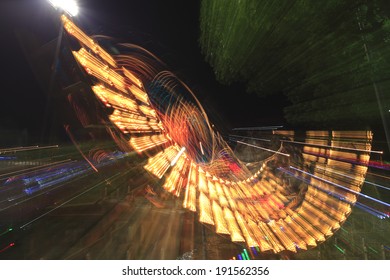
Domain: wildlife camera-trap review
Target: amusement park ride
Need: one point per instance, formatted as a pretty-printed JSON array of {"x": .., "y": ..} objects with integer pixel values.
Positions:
[
  {"x": 161, "y": 117},
  {"x": 296, "y": 197}
]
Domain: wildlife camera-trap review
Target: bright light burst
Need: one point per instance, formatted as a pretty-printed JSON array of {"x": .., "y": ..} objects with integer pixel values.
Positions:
[{"x": 69, "y": 6}]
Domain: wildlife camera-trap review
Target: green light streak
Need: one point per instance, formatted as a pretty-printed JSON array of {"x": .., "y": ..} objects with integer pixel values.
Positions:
[
  {"x": 246, "y": 254},
  {"x": 372, "y": 249},
  {"x": 346, "y": 231},
  {"x": 338, "y": 248},
  {"x": 5, "y": 232}
]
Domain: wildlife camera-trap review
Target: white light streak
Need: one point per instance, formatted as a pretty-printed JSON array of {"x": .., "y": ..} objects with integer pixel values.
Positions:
[
  {"x": 254, "y": 146},
  {"x": 173, "y": 162},
  {"x": 252, "y": 138},
  {"x": 273, "y": 127},
  {"x": 201, "y": 148}
]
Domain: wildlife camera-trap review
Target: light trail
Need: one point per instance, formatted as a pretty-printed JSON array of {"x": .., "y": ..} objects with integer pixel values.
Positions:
[
  {"x": 201, "y": 147},
  {"x": 273, "y": 127},
  {"x": 67, "y": 128},
  {"x": 332, "y": 147},
  {"x": 372, "y": 211},
  {"x": 341, "y": 159},
  {"x": 252, "y": 138},
  {"x": 176, "y": 158},
  {"x": 7, "y": 231},
  {"x": 350, "y": 177},
  {"x": 342, "y": 187},
  {"x": 43, "y": 190},
  {"x": 7, "y": 247},
  {"x": 73, "y": 30},
  {"x": 29, "y": 148},
  {"x": 378, "y": 175},
  {"x": 32, "y": 169},
  {"x": 254, "y": 146},
  {"x": 166, "y": 115},
  {"x": 67, "y": 201},
  {"x": 366, "y": 208}
]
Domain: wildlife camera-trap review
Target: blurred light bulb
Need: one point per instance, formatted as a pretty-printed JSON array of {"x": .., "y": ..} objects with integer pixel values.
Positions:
[{"x": 69, "y": 6}]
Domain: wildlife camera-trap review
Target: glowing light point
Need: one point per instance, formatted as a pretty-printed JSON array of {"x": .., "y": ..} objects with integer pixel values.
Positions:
[{"x": 69, "y": 6}]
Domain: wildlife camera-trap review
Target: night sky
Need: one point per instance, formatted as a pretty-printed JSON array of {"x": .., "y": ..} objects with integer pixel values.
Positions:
[{"x": 169, "y": 29}]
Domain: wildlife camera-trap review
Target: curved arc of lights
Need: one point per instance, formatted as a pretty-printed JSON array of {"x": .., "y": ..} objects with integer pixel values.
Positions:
[{"x": 248, "y": 207}]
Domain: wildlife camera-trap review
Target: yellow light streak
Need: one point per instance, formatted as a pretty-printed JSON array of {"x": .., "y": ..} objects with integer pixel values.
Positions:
[
  {"x": 220, "y": 223},
  {"x": 212, "y": 191},
  {"x": 297, "y": 216},
  {"x": 202, "y": 182},
  {"x": 112, "y": 98},
  {"x": 134, "y": 123},
  {"x": 250, "y": 240},
  {"x": 300, "y": 231},
  {"x": 159, "y": 164},
  {"x": 230, "y": 198},
  {"x": 331, "y": 222},
  {"x": 205, "y": 214},
  {"x": 264, "y": 245},
  {"x": 148, "y": 111},
  {"x": 144, "y": 143},
  {"x": 139, "y": 94},
  {"x": 98, "y": 69},
  {"x": 282, "y": 237},
  {"x": 336, "y": 214},
  {"x": 132, "y": 77},
  {"x": 292, "y": 235},
  {"x": 235, "y": 232},
  {"x": 190, "y": 194},
  {"x": 276, "y": 246},
  {"x": 83, "y": 38},
  {"x": 316, "y": 218}
]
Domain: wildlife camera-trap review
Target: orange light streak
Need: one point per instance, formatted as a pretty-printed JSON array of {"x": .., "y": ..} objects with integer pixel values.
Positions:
[
  {"x": 132, "y": 77},
  {"x": 73, "y": 30},
  {"x": 139, "y": 94},
  {"x": 175, "y": 180},
  {"x": 144, "y": 143},
  {"x": 282, "y": 237},
  {"x": 276, "y": 246},
  {"x": 112, "y": 98},
  {"x": 250, "y": 241},
  {"x": 190, "y": 194},
  {"x": 98, "y": 69},
  {"x": 159, "y": 164},
  {"x": 205, "y": 214},
  {"x": 220, "y": 223},
  {"x": 235, "y": 232}
]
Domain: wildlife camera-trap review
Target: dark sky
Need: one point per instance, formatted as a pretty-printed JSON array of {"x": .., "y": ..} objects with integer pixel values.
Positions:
[{"x": 170, "y": 29}]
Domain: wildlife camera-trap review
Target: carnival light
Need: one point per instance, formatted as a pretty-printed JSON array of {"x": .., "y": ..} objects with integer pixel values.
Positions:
[
  {"x": 69, "y": 6},
  {"x": 182, "y": 150},
  {"x": 258, "y": 208}
]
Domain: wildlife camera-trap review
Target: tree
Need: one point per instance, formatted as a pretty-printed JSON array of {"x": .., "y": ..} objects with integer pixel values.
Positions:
[{"x": 315, "y": 52}]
